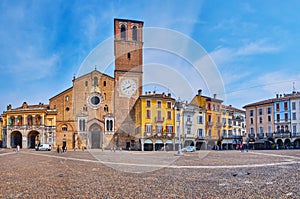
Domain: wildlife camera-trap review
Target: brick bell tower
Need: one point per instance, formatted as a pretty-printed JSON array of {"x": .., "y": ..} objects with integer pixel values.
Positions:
[{"x": 128, "y": 51}]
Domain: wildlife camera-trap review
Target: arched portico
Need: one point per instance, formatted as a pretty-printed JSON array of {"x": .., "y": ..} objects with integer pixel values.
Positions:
[
  {"x": 16, "y": 139},
  {"x": 33, "y": 139}
]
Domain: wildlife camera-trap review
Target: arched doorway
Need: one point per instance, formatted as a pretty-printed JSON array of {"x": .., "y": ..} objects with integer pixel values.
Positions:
[
  {"x": 287, "y": 143},
  {"x": 148, "y": 145},
  {"x": 95, "y": 136},
  {"x": 200, "y": 145},
  {"x": 33, "y": 139},
  {"x": 280, "y": 143},
  {"x": 159, "y": 144},
  {"x": 297, "y": 144},
  {"x": 16, "y": 139}
]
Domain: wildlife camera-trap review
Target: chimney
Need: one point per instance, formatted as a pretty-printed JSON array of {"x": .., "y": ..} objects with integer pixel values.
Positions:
[
  {"x": 215, "y": 96},
  {"x": 169, "y": 95},
  {"x": 199, "y": 92},
  {"x": 277, "y": 95}
]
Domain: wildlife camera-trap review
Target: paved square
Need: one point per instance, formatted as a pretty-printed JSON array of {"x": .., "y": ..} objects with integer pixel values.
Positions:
[{"x": 97, "y": 174}]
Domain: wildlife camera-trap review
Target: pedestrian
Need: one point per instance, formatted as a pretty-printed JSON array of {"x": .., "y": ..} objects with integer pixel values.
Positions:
[
  {"x": 18, "y": 148},
  {"x": 241, "y": 147},
  {"x": 58, "y": 149}
]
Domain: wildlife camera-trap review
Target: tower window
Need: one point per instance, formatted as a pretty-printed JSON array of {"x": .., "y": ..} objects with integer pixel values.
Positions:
[
  {"x": 128, "y": 55},
  {"x": 134, "y": 33},
  {"x": 123, "y": 32},
  {"x": 95, "y": 81},
  {"x": 104, "y": 83}
]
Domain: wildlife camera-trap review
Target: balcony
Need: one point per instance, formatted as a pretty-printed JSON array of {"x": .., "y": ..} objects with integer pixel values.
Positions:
[
  {"x": 159, "y": 119},
  {"x": 282, "y": 135},
  {"x": 228, "y": 136},
  {"x": 31, "y": 127},
  {"x": 188, "y": 123},
  {"x": 269, "y": 135},
  {"x": 219, "y": 124},
  {"x": 159, "y": 134},
  {"x": 210, "y": 124},
  {"x": 188, "y": 135},
  {"x": 251, "y": 135},
  {"x": 147, "y": 134},
  {"x": 170, "y": 135},
  {"x": 260, "y": 135},
  {"x": 200, "y": 137}
]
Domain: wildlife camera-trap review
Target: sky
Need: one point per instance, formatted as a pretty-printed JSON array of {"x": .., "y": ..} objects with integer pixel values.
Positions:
[{"x": 253, "y": 46}]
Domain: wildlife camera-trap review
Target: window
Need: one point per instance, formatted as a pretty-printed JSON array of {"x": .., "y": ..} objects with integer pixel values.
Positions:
[
  {"x": 67, "y": 98},
  {"x": 148, "y": 103},
  {"x": 209, "y": 132},
  {"x": 86, "y": 83},
  {"x": 188, "y": 130},
  {"x": 64, "y": 128},
  {"x": 170, "y": 128},
  {"x": 277, "y": 106},
  {"x": 158, "y": 104},
  {"x": 285, "y": 106},
  {"x": 200, "y": 132},
  {"x": 188, "y": 118},
  {"x": 269, "y": 110},
  {"x": 251, "y": 121},
  {"x": 251, "y": 130},
  {"x": 148, "y": 128},
  {"x": 134, "y": 33},
  {"x": 224, "y": 121},
  {"x": 82, "y": 125},
  {"x": 294, "y": 129},
  {"x": 109, "y": 125},
  {"x": 104, "y": 83},
  {"x": 278, "y": 117},
  {"x": 178, "y": 117},
  {"x": 200, "y": 119},
  {"x": 286, "y": 117},
  {"x": 148, "y": 114},
  {"x": 260, "y": 111},
  {"x": 105, "y": 108},
  {"x": 293, "y": 105},
  {"x": 159, "y": 118},
  {"x": 169, "y": 115},
  {"x": 159, "y": 128},
  {"x": 209, "y": 118},
  {"x": 224, "y": 133},
  {"x": 128, "y": 55},
  {"x": 269, "y": 129},
  {"x": 261, "y": 130},
  {"x": 269, "y": 118},
  {"x": 123, "y": 32},
  {"x": 251, "y": 113},
  {"x": 260, "y": 120},
  {"x": 95, "y": 81},
  {"x": 169, "y": 105},
  {"x": 294, "y": 116}
]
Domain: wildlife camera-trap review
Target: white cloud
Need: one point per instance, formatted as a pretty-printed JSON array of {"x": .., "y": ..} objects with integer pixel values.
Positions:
[{"x": 257, "y": 47}]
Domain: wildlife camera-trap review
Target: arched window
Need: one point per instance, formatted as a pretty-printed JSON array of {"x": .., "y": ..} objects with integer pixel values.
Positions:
[
  {"x": 105, "y": 108},
  {"x": 64, "y": 128},
  {"x": 95, "y": 81},
  {"x": 134, "y": 33},
  {"x": 123, "y": 32},
  {"x": 128, "y": 55}
]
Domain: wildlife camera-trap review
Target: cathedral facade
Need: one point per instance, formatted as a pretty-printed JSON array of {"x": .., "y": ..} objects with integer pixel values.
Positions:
[{"x": 95, "y": 111}]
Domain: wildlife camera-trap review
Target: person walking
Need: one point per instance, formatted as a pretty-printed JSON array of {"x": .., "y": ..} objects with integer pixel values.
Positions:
[{"x": 58, "y": 149}]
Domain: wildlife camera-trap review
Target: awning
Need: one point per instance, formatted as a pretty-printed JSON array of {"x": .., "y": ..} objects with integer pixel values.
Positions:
[
  {"x": 159, "y": 142},
  {"x": 169, "y": 142},
  {"x": 148, "y": 141},
  {"x": 227, "y": 141}
]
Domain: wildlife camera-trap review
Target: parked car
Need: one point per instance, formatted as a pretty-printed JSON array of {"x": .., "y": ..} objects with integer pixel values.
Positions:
[
  {"x": 44, "y": 147},
  {"x": 188, "y": 149}
]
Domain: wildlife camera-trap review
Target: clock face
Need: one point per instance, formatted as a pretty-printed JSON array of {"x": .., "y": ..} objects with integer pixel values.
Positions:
[
  {"x": 95, "y": 100},
  {"x": 128, "y": 86}
]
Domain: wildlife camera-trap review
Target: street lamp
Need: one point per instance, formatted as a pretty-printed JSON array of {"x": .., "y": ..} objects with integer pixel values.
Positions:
[{"x": 179, "y": 152}]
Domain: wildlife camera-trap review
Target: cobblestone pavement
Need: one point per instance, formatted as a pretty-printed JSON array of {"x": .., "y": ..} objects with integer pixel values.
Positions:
[{"x": 204, "y": 174}]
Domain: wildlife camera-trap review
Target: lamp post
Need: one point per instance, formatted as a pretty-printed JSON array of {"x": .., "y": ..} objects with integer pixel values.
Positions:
[{"x": 179, "y": 152}]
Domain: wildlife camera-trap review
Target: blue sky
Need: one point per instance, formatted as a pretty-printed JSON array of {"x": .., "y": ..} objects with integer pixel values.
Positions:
[{"x": 254, "y": 44}]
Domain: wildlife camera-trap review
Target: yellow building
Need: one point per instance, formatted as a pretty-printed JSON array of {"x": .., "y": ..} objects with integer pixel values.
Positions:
[
  {"x": 154, "y": 121},
  {"x": 29, "y": 126},
  {"x": 227, "y": 136},
  {"x": 213, "y": 117}
]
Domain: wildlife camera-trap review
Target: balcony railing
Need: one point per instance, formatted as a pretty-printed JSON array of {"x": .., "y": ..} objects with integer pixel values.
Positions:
[
  {"x": 269, "y": 135},
  {"x": 188, "y": 122},
  {"x": 251, "y": 135},
  {"x": 147, "y": 134},
  {"x": 188, "y": 135},
  {"x": 295, "y": 134},
  {"x": 260, "y": 135},
  {"x": 282, "y": 135},
  {"x": 200, "y": 137},
  {"x": 228, "y": 136},
  {"x": 210, "y": 124},
  {"x": 31, "y": 127}
]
